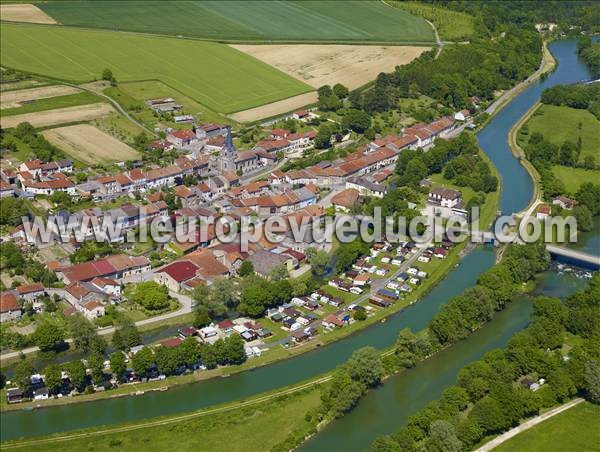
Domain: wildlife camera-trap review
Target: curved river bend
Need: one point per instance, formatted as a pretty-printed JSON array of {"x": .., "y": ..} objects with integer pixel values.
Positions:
[{"x": 517, "y": 191}]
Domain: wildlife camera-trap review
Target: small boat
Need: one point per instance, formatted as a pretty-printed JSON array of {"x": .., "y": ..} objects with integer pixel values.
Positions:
[
  {"x": 384, "y": 320},
  {"x": 164, "y": 388}
]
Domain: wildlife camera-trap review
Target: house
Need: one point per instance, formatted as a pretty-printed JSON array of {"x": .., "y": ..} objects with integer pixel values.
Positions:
[
  {"x": 30, "y": 292},
  {"x": 365, "y": 187},
  {"x": 301, "y": 115},
  {"x": 171, "y": 342},
  {"x": 14, "y": 395},
  {"x": 108, "y": 286},
  {"x": 564, "y": 202},
  {"x": 10, "y": 308},
  {"x": 175, "y": 274},
  {"x": 115, "y": 267},
  {"x": 332, "y": 321},
  {"x": 345, "y": 200},
  {"x": 462, "y": 115},
  {"x": 265, "y": 261},
  {"x": 300, "y": 336},
  {"x": 387, "y": 294},
  {"x": 91, "y": 309},
  {"x": 543, "y": 212},
  {"x": 361, "y": 280},
  {"x": 6, "y": 189},
  {"x": 445, "y": 197},
  {"x": 183, "y": 139}
]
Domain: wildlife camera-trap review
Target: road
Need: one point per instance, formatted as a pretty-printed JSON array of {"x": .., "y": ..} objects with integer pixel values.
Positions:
[
  {"x": 185, "y": 307},
  {"x": 527, "y": 425}
]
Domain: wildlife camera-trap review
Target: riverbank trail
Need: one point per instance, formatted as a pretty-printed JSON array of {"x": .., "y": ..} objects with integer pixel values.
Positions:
[
  {"x": 170, "y": 420},
  {"x": 527, "y": 425}
]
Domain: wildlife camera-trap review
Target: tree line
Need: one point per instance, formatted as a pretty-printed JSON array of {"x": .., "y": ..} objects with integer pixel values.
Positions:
[
  {"x": 579, "y": 96},
  {"x": 589, "y": 51},
  {"x": 493, "y": 394}
]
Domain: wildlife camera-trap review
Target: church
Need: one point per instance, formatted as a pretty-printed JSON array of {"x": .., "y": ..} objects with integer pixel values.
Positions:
[{"x": 229, "y": 159}]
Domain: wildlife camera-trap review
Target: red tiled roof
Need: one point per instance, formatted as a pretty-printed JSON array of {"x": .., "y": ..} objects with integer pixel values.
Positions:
[
  {"x": 180, "y": 270},
  {"x": 184, "y": 134},
  {"x": 29, "y": 288},
  {"x": 8, "y": 302}
]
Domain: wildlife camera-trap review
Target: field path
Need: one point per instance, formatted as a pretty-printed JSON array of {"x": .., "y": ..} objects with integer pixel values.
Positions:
[
  {"x": 170, "y": 420},
  {"x": 527, "y": 425},
  {"x": 115, "y": 104}
]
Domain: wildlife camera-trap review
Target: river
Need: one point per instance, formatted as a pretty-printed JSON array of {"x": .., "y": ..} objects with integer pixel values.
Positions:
[{"x": 290, "y": 371}]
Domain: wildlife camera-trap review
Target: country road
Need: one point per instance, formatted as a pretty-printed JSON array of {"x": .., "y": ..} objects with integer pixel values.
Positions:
[
  {"x": 527, "y": 425},
  {"x": 185, "y": 307}
]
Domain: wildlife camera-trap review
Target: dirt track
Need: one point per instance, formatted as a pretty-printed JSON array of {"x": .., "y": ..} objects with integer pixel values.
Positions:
[
  {"x": 318, "y": 65},
  {"x": 25, "y": 12},
  {"x": 58, "y": 116},
  {"x": 14, "y": 99},
  {"x": 90, "y": 145}
]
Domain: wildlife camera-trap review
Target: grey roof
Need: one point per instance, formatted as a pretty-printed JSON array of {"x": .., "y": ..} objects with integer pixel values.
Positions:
[{"x": 265, "y": 261}]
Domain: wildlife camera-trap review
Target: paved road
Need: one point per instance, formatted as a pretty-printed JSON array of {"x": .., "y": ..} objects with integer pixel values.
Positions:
[
  {"x": 185, "y": 307},
  {"x": 527, "y": 425}
]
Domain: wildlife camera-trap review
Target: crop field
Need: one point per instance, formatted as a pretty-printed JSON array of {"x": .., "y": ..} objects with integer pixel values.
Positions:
[
  {"x": 328, "y": 64},
  {"x": 51, "y": 103},
  {"x": 58, "y": 115},
  {"x": 213, "y": 74},
  {"x": 89, "y": 145},
  {"x": 266, "y": 20},
  {"x": 16, "y": 99},
  {"x": 24, "y": 12}
]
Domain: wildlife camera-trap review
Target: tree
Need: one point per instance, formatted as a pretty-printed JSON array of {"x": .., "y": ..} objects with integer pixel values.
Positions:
[
  {"x": 118, "y": 366},
  {"x": 246, "y": 268},
  {"x": 278, "y": 272},
  {"x": 189, "y": 351},
  {"x": 233, "y": 350},
  {"x": 323, "y": 138},
  {"x": 166, "y": 360},
  {"x": 592, "y": 381},
  {"x": 356, "y": 120},
  {"x": 77, "y": 374},
  {"x": 365, "y": 366},
  {"x": 107, "y": 75},
  {"x": 324, "y": 91},
  {"x": 224, "y": 292},
  {"x": 442, "y": 437},
  {"x": 360, "y": 315},
  {"x": 150, "y": 295},
  {"x": 84, "y": 335},
  {"x": 52, "y": 378},
  {"x": 23, "y": 372},
  {"x": 48, "y": 337},
  {"x": 340, "y": 90},
  {"x": 142, "y": 361},
  {"x": 201, "y": 317},
  {"x": 96, "y": 364},
  {"x": 584, "y": 218},
  {"x": 126, "y": 334}
]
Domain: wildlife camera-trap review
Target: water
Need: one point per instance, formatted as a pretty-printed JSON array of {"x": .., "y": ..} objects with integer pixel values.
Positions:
[
  {"x": 517, "y": 191},
  {"x": 385, "y": 409},
  {"x": 517, "y": 186}
]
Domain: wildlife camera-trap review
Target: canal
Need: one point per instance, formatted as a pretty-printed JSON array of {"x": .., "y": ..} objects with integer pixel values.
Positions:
[{"x": 221, "y": 390}]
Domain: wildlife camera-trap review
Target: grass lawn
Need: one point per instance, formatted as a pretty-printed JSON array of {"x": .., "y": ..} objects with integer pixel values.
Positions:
[
  {"x": 574, "y": 177},
  {"x": 258, "y": 426},
  {"x": 355, "y": 21},
  {"x": 152, "y": 89},
  {"x": 560, "y": 124},
  {"x": 216, "y": 75},
  {"x": 578, "y": 428},
  {"x": 451, "y": 25},
  {"x": 50, "y": 103}
]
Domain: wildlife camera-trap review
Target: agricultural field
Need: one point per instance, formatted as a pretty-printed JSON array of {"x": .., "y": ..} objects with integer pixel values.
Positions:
[
  {"x": 275, "y": 108},
  {"x": 89, "y": 145},
  {"x": 559, "y": 124},
  {"x": 58, "y": 115},
  {"x": 24, "y": 12},
  {"x": 215, "y": 75},
  {"x": 16, "y": 99},
  {"x": 572, "y": 178},
  {"x": 51, "y": 103},
  {"x": 319, "y": 65},
  {"x": 317, "y": 21},
  {"x": 451, "y": 25},
  {"x": 577, "y": 428}
]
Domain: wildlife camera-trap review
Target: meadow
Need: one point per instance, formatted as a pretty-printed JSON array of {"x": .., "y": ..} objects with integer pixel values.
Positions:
[
  {"x": 574, "y": 177},
  {"x": 451, "y": 25},
  {"x": 560, "y": 124},
  {"x": 213, "y": 74},
  {"x": 353, "y": 21},
  {"x": 574, "y": 429}
]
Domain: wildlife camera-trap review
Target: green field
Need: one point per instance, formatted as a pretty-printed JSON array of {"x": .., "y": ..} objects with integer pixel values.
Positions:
[
  {"x": 351, "y": 21},
  {"x": 578, "y": 428},
  {"x": 451, "y": 25},
  {"x": 559, "y": 124},
  {"x": 257, "y": 427},
  {"x": 50, "y": 103},
  {"x": 213, "y": 74},
  {"x": 574, "y": 177}
]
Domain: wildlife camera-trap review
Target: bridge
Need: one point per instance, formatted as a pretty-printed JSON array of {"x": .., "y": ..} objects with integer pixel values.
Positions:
[{"x": 574, "y": 255}]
